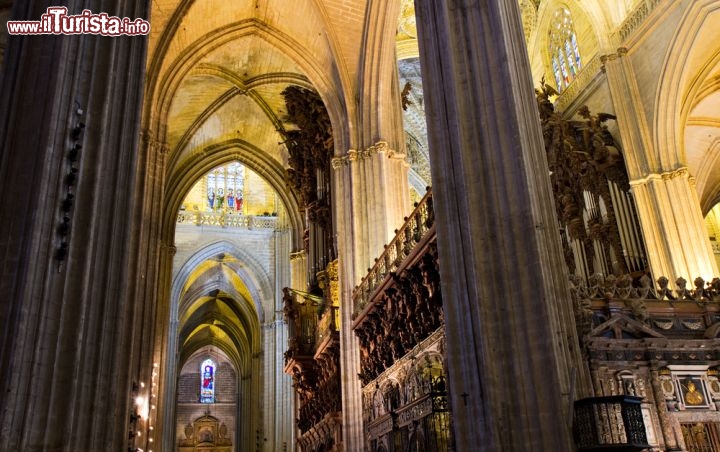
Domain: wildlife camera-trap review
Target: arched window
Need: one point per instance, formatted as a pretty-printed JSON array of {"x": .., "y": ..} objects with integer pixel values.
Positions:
[
  {"x": 225, "y": 187},
  {"x": 207, "y": 381},
  {"x": 563, "y": 48}
]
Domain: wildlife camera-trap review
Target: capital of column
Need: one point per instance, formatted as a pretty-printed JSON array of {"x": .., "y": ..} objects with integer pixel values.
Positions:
[
  {"x": 171, "y": 249},
  {"x": 353, "y": 155},
  {"x": 297, "y": 255},
  {"x": 680, "y": 172},
  {"x": 621, "y": 52},
  {"x": 150, "y": 141},
  {"x": 339, "y": 162},
  {"x": 665, "y": 176},
  {"x": 147, "y": 136}
]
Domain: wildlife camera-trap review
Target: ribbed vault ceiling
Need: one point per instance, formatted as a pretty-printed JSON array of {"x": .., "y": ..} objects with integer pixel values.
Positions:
[
  {"x": 702, "y": 141},
  {"x": 218, "y": 68}
]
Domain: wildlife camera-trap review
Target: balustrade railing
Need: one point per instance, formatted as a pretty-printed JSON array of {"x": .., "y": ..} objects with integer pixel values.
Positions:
[
  {"x": 226, "y": 220},
  {"x": 611, "y": 287},
  {"x": 636, "y": 18},
  {"x": 416, "y": 226}
]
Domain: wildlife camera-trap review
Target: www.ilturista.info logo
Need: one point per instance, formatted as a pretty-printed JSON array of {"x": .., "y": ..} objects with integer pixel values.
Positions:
[{"x": 57, "y": 22}]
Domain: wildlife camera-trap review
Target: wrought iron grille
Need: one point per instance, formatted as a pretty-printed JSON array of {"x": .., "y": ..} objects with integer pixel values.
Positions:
[{"x": 609, "y": 423}]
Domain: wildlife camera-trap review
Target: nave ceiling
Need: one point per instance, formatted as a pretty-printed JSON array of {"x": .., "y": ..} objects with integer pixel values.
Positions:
[{"x": 216, "y": 69}]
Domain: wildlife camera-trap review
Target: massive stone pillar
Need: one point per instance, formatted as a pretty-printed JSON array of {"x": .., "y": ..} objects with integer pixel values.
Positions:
[
  {"x": 371, "y": 197},
  {"x": 71, "y": 326},
  {"x": 371, "y": 192},
  {"x": 279, "y": 424},
  {"x": 513, "y": 364},
  {"x": 666, "y": 199}
]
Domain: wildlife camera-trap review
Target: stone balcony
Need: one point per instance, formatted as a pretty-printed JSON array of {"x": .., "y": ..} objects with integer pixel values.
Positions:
[{"x": 224, "y": 219}]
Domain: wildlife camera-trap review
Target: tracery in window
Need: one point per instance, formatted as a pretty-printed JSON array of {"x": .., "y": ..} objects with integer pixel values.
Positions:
[
  {"x": 563, "y": 48},
  {"x": 207, "y": 381},
  {"x": 225, "y": 187}
]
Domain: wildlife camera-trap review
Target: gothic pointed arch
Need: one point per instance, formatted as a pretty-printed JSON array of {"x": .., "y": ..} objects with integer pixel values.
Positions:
[
  {"x": 692, "y": 58},
  {"x": 250, "y": 271},
  {"x": 222, "y": 152}
]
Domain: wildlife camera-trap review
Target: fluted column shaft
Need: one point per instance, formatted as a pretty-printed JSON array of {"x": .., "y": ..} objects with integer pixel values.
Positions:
[
  {"x": 677, "y": 241},
  {"x": 279, "y": 424},
  {"x": 72, "y": 329},
  {"x": 511, "y": 344},
  {"x": 372, "y": 196}
]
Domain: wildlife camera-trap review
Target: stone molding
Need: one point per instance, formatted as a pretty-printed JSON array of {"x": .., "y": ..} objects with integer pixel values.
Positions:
[
  {"x": 665, "y": 176},
  {"x": 621, "y": 52},
  {"x": 297, "y": 255},
  {"x": 168, "y": 248},
  {"x": 150, "y": 141},
  {"x": 355, "y": 155}
]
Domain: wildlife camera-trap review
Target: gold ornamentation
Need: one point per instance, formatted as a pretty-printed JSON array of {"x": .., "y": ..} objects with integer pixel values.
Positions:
[
  {"x": 667, "y": 387},
  {"x": 715, "y": 386},
  {"x": 407, "y": 28},
  {"x": 297, "y": 255},
  {"x": 355, "y": 155},
  {"x": 663, "y": 325},
  {"x": 334, "y": 286},
  {"x": 692, "y": 396},
  {"x": 338, "y": 162},
  {"x": 692, "y": 325}
]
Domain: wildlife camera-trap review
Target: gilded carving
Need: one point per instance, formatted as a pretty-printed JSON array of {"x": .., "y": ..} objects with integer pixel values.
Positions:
[
  {"x": 206, "y": 433},
  {"x": 406, "y": 22},
  {"x": 332, "y": 272},
  {"x": 297, "y": 255}
]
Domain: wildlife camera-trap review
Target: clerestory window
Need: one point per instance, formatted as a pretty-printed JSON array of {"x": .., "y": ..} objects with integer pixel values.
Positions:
[{"x": 563, "y": 49}]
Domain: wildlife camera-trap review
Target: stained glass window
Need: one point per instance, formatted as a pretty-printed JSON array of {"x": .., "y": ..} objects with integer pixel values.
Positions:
[
  {"x": 563, "y": 47},
  {"x": 207, "y": 381},
  {"x": 225, "y": 187}
]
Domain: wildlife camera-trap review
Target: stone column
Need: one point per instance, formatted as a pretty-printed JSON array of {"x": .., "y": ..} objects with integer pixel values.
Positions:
[
  {"x": 271, "y": 351},
  {"x": 631, "y": 120},
  {"x": 281, "y": 400},
  {"x": 512, "y": 350},
  {"x": 71, "y": 329},
  {"x": 669, "y": 440},
  {"x": 668, "y": 207},
  {"x": 676, "y": 239},
  {"x": 371, "y": 197},
  {"x": 298, "y": 270}
]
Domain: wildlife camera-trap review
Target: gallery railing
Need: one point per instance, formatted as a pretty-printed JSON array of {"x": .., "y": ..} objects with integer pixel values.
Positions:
[
  {"x": 415, "y": 229},
  {"x": 226, "y": 220}
]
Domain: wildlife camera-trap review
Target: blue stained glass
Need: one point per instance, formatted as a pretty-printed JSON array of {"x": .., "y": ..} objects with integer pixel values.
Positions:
[
  {"x": 556, "y": 71},
  {"x": 207, "y": 381},
  {"x": 570, "y": 58},
  {"x": 576, "y": 50}
]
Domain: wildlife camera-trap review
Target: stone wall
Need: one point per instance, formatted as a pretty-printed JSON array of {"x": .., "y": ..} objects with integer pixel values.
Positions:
[{"x": 225, "y": 408}]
